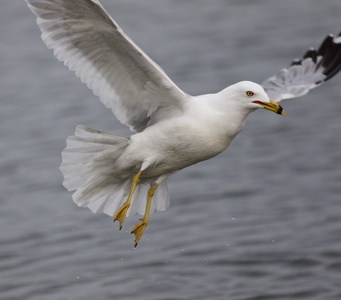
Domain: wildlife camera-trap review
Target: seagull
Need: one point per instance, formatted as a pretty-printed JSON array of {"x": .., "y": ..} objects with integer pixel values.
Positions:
[{"x": 172, "y": 130}]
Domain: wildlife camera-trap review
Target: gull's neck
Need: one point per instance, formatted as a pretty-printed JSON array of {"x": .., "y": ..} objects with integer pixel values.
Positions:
[{"x": 225, "y": 118}]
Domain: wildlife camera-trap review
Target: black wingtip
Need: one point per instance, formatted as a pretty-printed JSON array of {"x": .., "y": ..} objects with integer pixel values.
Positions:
[
  {"x": 296, "y": 62},
  {"x": 328, "y": 56},
  {"x": 331, "y": 56},
  {"x": 311, "y": 53}
]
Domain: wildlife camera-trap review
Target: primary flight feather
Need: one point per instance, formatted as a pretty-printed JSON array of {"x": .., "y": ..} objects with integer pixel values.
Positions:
[{"x": 173, "y": 130}]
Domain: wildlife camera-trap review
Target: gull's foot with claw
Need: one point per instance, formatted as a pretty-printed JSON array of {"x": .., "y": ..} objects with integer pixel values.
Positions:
[
  {"x": 121, "y": 214},
  {"x": 138, "y": 230}
]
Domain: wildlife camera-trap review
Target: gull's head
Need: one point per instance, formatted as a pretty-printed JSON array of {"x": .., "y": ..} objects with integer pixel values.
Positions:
[{"x": 251, "y": 96}]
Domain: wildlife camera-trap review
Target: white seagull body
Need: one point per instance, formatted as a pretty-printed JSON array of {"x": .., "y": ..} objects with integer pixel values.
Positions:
[{"x": 118, "y": 175}]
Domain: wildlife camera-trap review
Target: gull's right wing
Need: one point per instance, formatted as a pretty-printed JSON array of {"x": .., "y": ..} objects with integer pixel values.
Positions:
[{"x": 316, "y": 67}]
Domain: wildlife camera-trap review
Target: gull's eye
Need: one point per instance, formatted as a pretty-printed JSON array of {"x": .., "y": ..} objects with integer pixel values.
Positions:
[{"x": 249, "y": 93}]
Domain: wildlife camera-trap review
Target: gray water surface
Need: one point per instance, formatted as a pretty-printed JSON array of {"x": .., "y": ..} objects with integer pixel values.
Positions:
[{"x": 260, "y": 221}]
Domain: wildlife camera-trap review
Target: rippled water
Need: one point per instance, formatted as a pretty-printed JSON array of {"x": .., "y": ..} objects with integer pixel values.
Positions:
[{"x": 260, "y": 221}]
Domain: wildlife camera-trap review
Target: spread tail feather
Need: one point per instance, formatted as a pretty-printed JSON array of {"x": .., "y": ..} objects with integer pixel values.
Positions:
[{"x": 88, "y": 167}]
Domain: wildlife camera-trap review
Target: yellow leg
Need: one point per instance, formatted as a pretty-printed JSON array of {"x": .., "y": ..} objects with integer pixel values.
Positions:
[
  {"x": 122, "y": 211},
  {"x": 139, "y": 227}
]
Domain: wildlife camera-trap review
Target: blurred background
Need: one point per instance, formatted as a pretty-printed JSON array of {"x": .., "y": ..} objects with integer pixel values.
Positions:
[{"x": 260, "y": 221}]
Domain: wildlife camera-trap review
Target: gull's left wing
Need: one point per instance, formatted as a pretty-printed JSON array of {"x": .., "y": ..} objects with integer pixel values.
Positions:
[
  {"x": 316, "y": 67},
  {"x": 89, "y": 42}
]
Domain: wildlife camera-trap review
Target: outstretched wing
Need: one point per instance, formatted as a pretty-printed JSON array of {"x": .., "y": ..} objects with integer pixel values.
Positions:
[
  {"x": 89, "y": 42},
  {"x": 316, "y": 67}
]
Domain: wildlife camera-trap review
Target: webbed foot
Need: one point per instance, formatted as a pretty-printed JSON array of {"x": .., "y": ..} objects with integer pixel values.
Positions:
[
  {"x": 121, "y": 214},
  {"x": 138, "y": 230}
]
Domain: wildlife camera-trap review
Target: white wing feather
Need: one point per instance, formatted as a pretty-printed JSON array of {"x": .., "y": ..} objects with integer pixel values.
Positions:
[
  {"x": 90, "y": 43},
  {"x": 316, "y": 67}
]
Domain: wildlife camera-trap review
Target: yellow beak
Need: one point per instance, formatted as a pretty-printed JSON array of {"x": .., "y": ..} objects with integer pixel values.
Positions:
[{"x": 272, "y": 106}]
